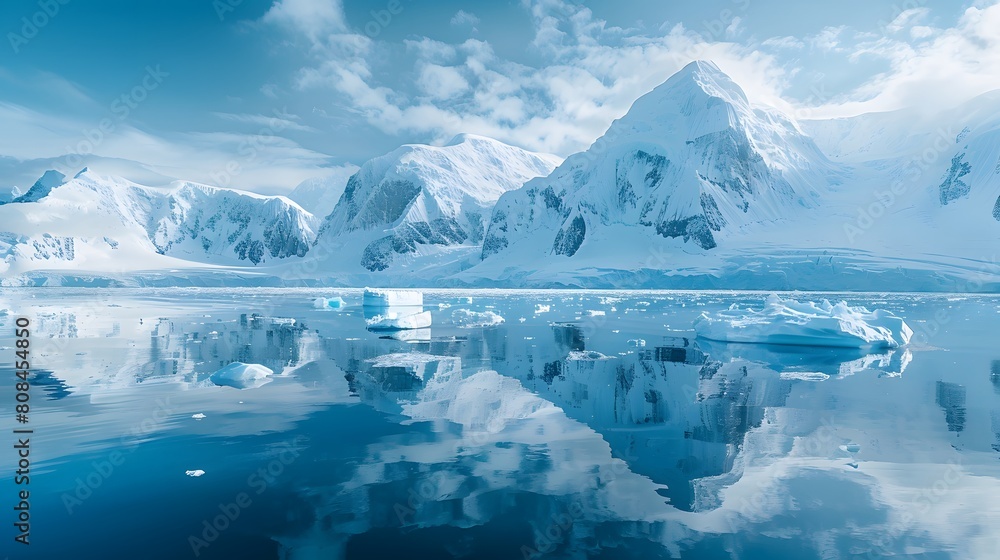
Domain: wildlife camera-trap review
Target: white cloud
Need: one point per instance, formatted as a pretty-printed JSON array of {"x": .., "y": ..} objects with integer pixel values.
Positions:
[
  {"x": 954, "y": 65},
  {"x": 595, "y": 73},
  {"x": 441, "y": 82},
  {"x": 276, "y": 122},
  {"x": 464, "y": 18},
  {"x": 312, "y": 17},
  {"x": 784, "y": 43}
]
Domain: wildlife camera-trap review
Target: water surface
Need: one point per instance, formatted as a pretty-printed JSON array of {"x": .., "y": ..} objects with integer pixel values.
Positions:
[{"x": 587, "y": 425}]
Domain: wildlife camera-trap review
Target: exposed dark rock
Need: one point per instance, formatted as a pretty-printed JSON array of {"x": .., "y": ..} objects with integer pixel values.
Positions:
[{"x": 569, "y": 239}]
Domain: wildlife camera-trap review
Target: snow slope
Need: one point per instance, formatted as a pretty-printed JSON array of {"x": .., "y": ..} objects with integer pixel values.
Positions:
[
  {"x": 419, "y": 199},
  {"x": 110, "y": 226}
]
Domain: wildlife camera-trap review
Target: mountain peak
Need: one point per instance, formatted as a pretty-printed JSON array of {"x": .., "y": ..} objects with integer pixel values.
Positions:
[
  {"x": 464, "y": 137},
  {"x": 84, "y": 171},
  {"x": 43, "y": 186},
  {"x": 700, "y": 78}
]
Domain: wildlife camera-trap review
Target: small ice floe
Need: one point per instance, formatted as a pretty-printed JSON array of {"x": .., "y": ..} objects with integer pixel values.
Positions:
[
  {"x": 522, "y": 319},
  {"x": 329, "y": 303},
  {"x": 465, "y": 300},
  {"x": 539, "y": 308},
  {"x": 805, "y": 375},
  {"x": 394, "y": 321},
  {"x": 595, "y": 313},
  {"x": 242, "y": 376},
  {"x": 637, "y": 342},
  {"x": 410, "y": 336},
  {"x": 587, "y": 356},
  {"x": 786, "y": 321},
  {"x": 198, "y": 416},
  {"x": 391, "y": 298},
  {"x": 444, "y": 305},
  {"x": 196, "y": 472},
  {"x": 474, "y": 319}
]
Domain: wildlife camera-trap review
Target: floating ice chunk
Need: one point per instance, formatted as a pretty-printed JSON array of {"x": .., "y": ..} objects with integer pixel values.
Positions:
[
  {"x": 242, "y": 376},
  {"x": 411, "y": 336},
  {"x": 393, "y": 321},
  {"x": 786, "y": 321},
  {"x": 473, "y": 319},
  {"x": 587, "y": 356},
  {"x": 196, "y": 472},
  {"x": 198, "y": 416},
  {"x": 522, "y": 319},
  {"x": 386, "y": 298},
  {"x": 329, "y": 303},
  {"x": 595, "y": 313},
  {"x": 637, "y": 342},
  {"x": 805, "y": 375},
  {"x": 539, "y": 308},
  {"x": 444, "y": 305}
]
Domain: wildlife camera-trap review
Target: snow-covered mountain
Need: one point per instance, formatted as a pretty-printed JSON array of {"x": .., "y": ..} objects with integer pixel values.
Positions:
[
  {"x": 697, "y": 188},
  {"x": 692, "y": 161},
  {"x": 109, "y": 226},
  {"x": 419, "y": 199}
]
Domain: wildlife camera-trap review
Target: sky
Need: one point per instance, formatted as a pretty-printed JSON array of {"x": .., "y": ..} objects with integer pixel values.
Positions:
[{"x": 263, "y": 94}]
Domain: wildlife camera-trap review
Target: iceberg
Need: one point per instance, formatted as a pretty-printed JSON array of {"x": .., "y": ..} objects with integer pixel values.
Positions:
[
  {"x": 789, "y": 322},
  {"x": 195, "y": 473},
  {"x": 390, "y": 298},
  {"x": 394, "y": 321},
  {"x": 242, "y": 376},
  {"x": 329, "y": 303},
  {"x": 473, "y": 319}
]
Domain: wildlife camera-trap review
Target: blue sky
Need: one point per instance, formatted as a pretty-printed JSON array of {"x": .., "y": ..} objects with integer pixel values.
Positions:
[{"x": 261, "y": 94}]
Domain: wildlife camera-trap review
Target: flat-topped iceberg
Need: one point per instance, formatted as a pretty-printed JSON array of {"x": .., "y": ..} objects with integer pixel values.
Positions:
[
  {"x": 242, "y": 376},
  {"x": 390, "y": 298},
  {"x": 394, "y": 321},
  {"x": 786, "y": 321}
]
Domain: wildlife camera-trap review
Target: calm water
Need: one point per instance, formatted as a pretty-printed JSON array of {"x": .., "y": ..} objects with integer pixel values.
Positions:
[{"x": 588, "y": 425}]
